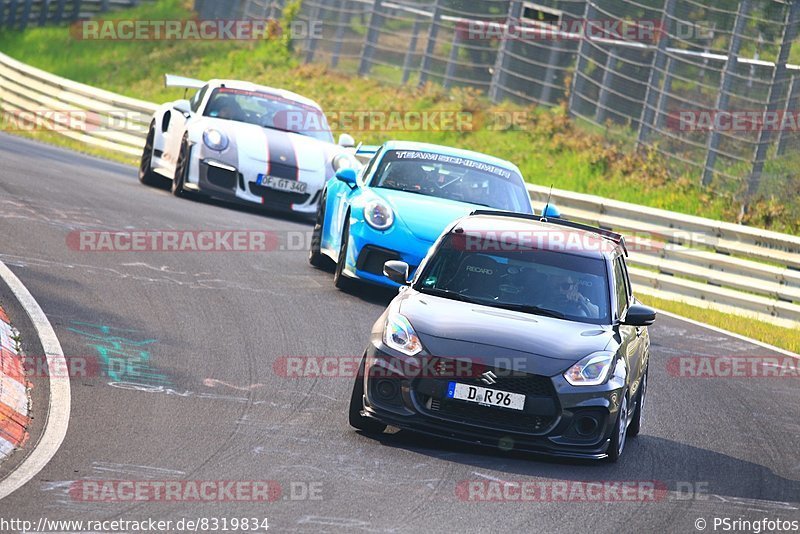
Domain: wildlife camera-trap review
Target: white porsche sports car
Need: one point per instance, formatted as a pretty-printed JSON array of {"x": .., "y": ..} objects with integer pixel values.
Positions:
[{"x": 240, "y": 141}]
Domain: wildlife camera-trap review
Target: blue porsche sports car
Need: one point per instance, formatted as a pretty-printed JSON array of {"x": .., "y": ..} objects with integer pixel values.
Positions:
[{"x": 401, "y": 202}]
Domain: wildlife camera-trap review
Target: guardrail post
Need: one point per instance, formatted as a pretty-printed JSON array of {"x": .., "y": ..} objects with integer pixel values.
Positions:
[
  {"x": 725, "y": 87},
  {"x": 76, "y": 10},
  {"x": 313, "y": 17},
  {"x": 44, "y": 12},
  {"x": 104, "y": 6},
  {"x": 776, "y": 91},
  {"x": 26, "y": 15},
  {"x": 794, "y": 85},
  {"x": 12, "y": 14},
  {"x": 659, "y": 64},
  {"x": 577, "y": 78},
  {"x": 452, "y": 61},
  {"x": 338, "y": 40},
  {"x": 412, "y": 48},
  {"x": 59, "y": 16},
  {"x": 430, "y": 48},
  {"x": 501, "y": 62},
  {"x": 553, "y": 59},
  {"x": 371, "y": 40},
  {"x": 605, "y": 85},
  {"x": 663, "y": 97}
]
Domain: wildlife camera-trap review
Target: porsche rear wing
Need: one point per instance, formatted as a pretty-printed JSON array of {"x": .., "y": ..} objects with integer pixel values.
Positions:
[{"x": 171, "y": 80}]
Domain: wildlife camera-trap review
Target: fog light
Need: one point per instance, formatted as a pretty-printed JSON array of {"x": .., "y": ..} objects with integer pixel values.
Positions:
[
  {"x": 586, "y": 426},
  {"x": 387, "y": 389}
]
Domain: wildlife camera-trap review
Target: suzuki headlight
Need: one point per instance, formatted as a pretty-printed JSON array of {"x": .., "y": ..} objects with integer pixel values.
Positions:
[
  {"x": 592, "y": 370},
  {"x": 215, "y": 140},
  {"x": 344, "y": 161},
  {"x": 400, "y": 335},
  {"x": 378, "y": 215}
]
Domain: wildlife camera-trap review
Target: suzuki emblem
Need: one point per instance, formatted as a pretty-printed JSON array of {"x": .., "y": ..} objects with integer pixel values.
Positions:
[{"x": 489, "y": 378}]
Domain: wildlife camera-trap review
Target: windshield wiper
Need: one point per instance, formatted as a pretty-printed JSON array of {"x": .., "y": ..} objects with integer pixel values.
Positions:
[
  {"x": 536, "y": 310},
  {"x": 448, "y": 294}
]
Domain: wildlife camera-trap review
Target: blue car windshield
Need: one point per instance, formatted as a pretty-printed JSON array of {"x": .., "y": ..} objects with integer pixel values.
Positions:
[
  {"x": 453, "y": 178},
  {"x": 527, "y": 279}
]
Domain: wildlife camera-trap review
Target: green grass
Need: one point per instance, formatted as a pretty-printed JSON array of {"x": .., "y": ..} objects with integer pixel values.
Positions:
[{"x": 785, "y": 338}]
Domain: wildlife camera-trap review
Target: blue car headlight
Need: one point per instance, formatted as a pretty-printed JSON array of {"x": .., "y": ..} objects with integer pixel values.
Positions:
[
  {"x": 215, "y": 140},
  {"x": 378, "y": 215}
]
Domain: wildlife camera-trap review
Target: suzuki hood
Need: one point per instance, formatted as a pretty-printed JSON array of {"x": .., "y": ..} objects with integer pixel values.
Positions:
[{"x": 538, "y": 345}]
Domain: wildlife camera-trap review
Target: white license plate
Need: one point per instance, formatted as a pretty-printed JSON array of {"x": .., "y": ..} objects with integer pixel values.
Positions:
[
  {"x": 486, "y": 396},
  {"x": 282, "y": 184}
]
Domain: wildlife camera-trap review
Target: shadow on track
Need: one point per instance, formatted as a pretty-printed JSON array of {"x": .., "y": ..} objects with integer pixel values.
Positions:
[{"x": 647, "y": 458}]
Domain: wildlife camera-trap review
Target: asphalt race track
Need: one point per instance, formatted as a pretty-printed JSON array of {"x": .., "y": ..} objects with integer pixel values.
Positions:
[{"x": 209, "y": 327}]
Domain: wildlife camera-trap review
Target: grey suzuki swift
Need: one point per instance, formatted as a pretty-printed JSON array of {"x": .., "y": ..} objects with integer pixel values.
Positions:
[{"x": 517, "y": 332}]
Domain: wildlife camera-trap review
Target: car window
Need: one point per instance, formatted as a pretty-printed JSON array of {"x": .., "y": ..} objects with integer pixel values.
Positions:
[
  {"x": 620, "y": 287},
  {"x": 627, "y": 277},
  {"x": 539, "y": 281},
  {"x": 197, "y": 99},
  {"x": 453, "y": 178},
  {"x": 268, "y": 111},
  {"x": 366, "y": 170}
]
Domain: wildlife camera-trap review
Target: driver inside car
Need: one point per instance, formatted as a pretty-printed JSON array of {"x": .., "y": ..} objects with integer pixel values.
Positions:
[
  {"x": 225, "y": 107},
  {"x": 568, "y": 298}
]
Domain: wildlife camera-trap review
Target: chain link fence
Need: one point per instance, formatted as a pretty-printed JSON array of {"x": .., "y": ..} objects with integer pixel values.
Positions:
[
  {"x": 19, "y": 14},
  {"x": 709, "y": 85}
]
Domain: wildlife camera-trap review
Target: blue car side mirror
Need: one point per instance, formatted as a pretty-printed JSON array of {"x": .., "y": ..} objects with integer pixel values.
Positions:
[
  {"x": 348, "y": 176},
  {"x": 551, "y": 212}
]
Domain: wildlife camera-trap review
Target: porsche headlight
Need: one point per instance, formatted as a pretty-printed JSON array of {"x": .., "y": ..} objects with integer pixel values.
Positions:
[
  {"x": 592, "y": 370},
  {"x": 215, "y": 140},
  {"x": 344, "y": 161},
  {"x": 378, "y": 215},
  {"x": 400, "y": 335}
]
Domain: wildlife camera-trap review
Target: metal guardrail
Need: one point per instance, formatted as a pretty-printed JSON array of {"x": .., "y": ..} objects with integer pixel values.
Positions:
[
  {"x": 700, "y": 261},
  {"x": 89, "y": 115}
]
